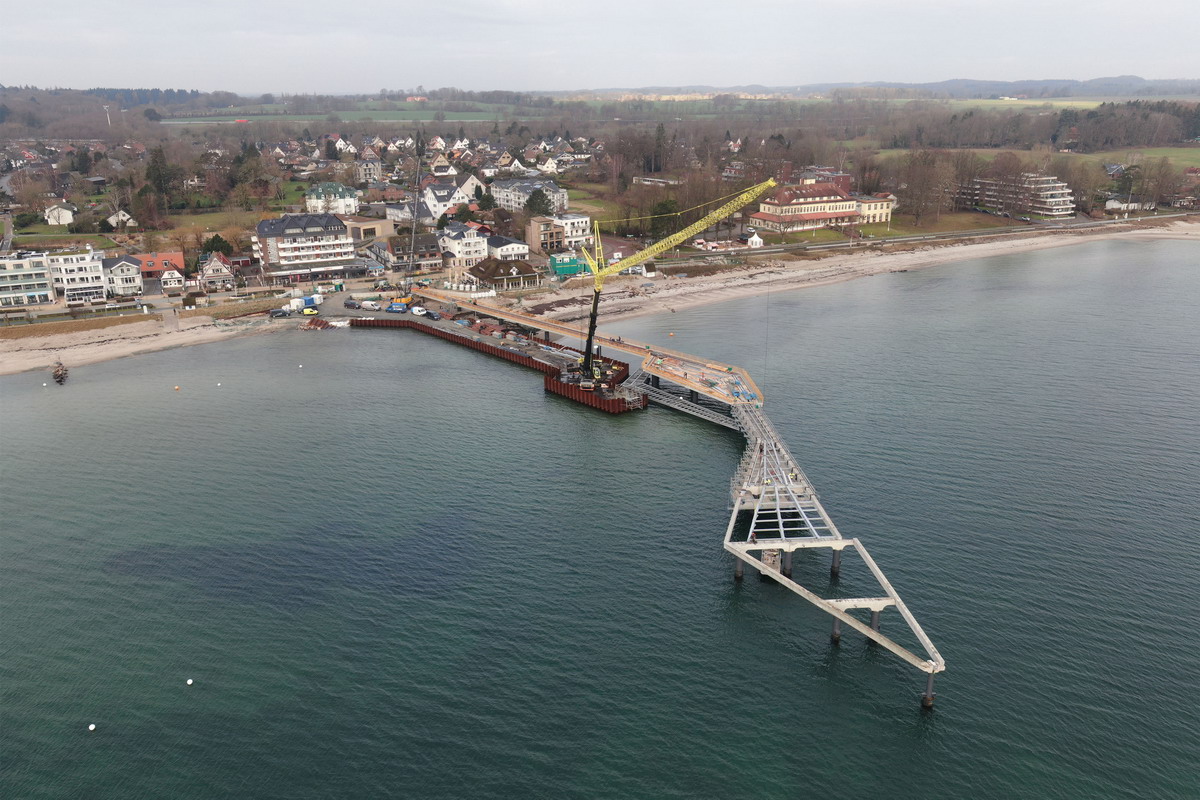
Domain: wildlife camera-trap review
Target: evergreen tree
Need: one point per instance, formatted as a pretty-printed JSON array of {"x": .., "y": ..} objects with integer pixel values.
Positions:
[
  {"x": 217, "y": 244},
  {"x": 539, "y": 204}
]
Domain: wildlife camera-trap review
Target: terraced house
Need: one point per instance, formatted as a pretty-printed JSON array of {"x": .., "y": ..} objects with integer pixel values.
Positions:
[{"x": 25, "y": 279}]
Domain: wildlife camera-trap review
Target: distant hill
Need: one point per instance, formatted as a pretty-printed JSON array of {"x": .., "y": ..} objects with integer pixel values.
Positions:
[{"x": 1119, "y": 86}]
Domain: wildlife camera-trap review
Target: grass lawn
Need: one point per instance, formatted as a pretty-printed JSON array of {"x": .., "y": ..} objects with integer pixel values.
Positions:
[
  {"x": 293, "y": 193},
  {"x": 1180, "y": 156},
  {"x": 817, "y": 236},
  {"x": 902, "y": 224},
  {"x": 57, "y": 240},
  {"x": 216, "y": 221}
]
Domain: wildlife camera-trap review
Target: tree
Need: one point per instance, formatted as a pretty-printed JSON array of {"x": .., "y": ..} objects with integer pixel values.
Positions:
[
  {"x": 538, "y": 204},
  {"x": 487, "y": 202},
  {"x": 216, "y": 244},
  {"x": 331, "y": 153},
  {"x": 152, "y": 115},
  {"x": 442, "y": 221},
  {"x": 162, "y": 176},
  {"x": 664, "y": 218}
]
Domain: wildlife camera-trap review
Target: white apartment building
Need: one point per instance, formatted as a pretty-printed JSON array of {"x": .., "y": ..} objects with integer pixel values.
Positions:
[
  {"x": 79, "y": 275},
  {"x": 25, "y": 279},
  {"x": 331, "y": 198},
  {"x": 560, "y": 232},
  {"x": 124, "y": 276},
  {"x": 1044, "y": 195},
  {"x": 302, "y": 240},
  {"x": 511, "y": 195}
]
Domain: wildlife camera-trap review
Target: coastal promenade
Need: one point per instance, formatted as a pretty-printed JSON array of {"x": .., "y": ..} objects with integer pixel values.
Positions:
[{"x": 774, "y": 509}]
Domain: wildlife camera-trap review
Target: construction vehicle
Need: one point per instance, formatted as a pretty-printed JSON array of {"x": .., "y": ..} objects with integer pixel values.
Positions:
[{"x": 600, "y": 270}]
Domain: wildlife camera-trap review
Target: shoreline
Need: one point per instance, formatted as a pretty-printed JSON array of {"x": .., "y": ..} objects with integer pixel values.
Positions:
[
  {"x": 625, "y": 298},
  {"x": 765, "y": 274},
  {"x": 34, "y": 353}
]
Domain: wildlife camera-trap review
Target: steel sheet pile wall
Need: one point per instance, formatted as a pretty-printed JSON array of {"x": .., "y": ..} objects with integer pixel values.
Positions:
[{"x": 552, "y": 383}]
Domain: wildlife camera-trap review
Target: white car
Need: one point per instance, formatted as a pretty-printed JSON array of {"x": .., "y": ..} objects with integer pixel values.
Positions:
[{"x": 418, "y": 311}]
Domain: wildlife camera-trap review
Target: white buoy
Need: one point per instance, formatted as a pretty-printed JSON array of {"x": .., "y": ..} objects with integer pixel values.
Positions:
[
  {"x": 92, "y": 727},
  {"x": 301, "y": 366},
  {"x": 45, "y": 384},
  {"x": 189, "y": 681},
  {"x": 218, "y": 385}
]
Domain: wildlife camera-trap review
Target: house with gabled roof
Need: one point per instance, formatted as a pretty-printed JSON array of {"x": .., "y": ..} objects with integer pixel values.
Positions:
[
  {"x": 215, "y": 272},
  {"x": 368, "y": 167},
  {"x": 123, "y": 276},
  {"x": 506, "y": 275},
  {"x": 60, "y": 214}
]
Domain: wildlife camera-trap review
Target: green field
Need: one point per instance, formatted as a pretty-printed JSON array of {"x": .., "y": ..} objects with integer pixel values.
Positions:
[
  {"x": 902, "y": 224},
  {"x": 57, "y": 240},
  {"x": 1180, "y": 156}
]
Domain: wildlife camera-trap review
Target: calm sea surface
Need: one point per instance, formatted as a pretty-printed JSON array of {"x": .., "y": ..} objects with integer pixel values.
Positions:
[{"x": 402, "y": 570}]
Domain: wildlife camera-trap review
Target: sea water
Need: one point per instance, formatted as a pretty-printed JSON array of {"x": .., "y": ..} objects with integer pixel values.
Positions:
[{"x": 393, "y": 567}]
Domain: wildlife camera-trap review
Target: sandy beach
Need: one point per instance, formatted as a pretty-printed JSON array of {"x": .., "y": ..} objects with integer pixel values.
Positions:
[
  {"x": 89, "y": 347},
  {"x": 624, "y": 296}
]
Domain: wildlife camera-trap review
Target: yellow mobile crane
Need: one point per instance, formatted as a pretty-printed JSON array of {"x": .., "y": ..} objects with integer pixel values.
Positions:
[{"x": 595, "y": 261}]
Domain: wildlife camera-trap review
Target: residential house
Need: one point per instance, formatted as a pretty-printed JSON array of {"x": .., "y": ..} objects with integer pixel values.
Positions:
[
  {"x": 369, "y": 167},
  {"x": 60, "y": 214},
  {"x": 506, "y": 275},
  {"x": 387, "y": 192},
  {"x": 462, "y": 246},
  {"x": 171, "y": 280},
  {"x": 331, "y": 198},
  {"x": 121, "y": 220},
  {"x": 441, "y": 167},
  {"x": 155, "y": 264},
  {"x": 409, "y": 253},
  {"x": 468, "y": 183},
  {"x": 25, "y": 279},
  {"x": 440, "y": 197},
  {"x": 123, "y": 275},
  {"x": 873, "y": 208},
  {"x": 505, "y": 249},
  {"x": 512, "y": 194},
  {"x": 215, "y": 272},
  {"x": 404, "y": 213}
]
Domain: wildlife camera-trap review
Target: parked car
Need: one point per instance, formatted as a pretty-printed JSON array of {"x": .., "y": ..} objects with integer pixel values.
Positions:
[
  {"x": 370, "y": 305},
  {"x": 418, "y": 311},
  {"x": 433, "y": 315},
  {"x": 277, "y": 313},
  {"x": 309, "y": 311},
  {"x": 352, "y": 303}
]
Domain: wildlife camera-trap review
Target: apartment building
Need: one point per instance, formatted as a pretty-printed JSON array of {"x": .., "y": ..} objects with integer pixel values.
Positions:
[
  {"x": 560, "y": 232},
  {"x": 302, "y": 240},
  {"x": 79, "y": 275},
  {"x": 1031, "y": 193},
  {"x": 512, "y": 194},
  {"x": 25, "y": 279}
]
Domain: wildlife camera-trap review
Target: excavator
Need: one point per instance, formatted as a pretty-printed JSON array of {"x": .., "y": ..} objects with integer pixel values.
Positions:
[{"x": 595, "y": 260}]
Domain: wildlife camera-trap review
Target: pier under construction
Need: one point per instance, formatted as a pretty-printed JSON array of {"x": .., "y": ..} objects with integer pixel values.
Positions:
[{"x": 774, "y": 509}]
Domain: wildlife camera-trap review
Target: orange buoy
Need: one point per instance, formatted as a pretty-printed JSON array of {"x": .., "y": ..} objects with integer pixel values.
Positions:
[{"x": 177, "y": 388}]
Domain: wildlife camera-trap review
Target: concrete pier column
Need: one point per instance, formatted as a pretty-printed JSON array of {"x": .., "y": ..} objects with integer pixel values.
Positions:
[
  {"x": 835, "y": 568},
  {"x": 787, "y": 563},
  {"x": 874, "y": 620},
  {"x": 836, "y": 636},
  {"x": 927, "y": 698},
  {"x": 739, "y": 568},
  {"x": 654, "y": 381},
  {"x": 546, "y": 334},
  {"x": 693, "y": 395}
]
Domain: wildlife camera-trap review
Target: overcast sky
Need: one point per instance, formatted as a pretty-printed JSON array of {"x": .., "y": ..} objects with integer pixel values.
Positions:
[{"x": 253, "y": 46}]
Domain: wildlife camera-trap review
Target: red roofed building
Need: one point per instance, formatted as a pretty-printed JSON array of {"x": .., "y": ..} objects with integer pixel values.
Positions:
[
  {"x": 806, "y": 207},
  {"x": 154, "y": 264}
]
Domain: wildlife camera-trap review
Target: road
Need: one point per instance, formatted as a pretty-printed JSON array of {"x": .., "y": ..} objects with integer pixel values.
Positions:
[{"x": 6, "y": 243}]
